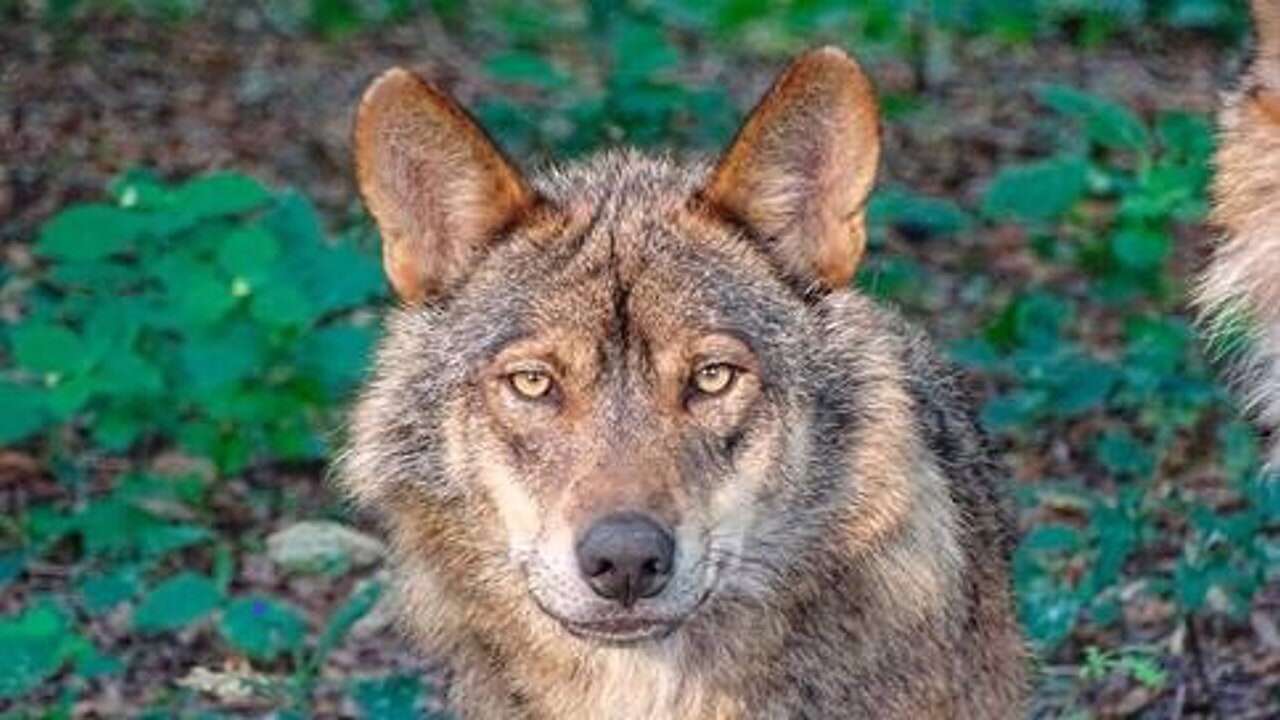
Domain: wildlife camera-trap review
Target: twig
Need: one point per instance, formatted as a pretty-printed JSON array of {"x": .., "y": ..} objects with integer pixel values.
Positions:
[
  {"x": 1179, "y": 699},
  {"x": 1197, "y": 660}
]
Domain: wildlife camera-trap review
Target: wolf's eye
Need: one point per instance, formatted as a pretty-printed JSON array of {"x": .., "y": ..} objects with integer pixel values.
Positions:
[
  {"x": 531, "y": 384},
  {"x": 714, "y": 379}
]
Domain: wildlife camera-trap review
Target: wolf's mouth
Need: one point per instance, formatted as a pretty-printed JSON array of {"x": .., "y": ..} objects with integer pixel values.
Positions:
[
  {"x": 621, "y": 630},
  {"x": 616, "y": 630}
]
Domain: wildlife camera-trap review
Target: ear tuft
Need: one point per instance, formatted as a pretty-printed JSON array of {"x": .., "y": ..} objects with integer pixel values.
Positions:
[
  {"x": 801, "y": 168},
  {"x": 438, "y": 188}
]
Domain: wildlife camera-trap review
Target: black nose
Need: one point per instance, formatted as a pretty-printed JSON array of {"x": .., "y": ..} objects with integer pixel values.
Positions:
[{"x": 626, "y": 556}]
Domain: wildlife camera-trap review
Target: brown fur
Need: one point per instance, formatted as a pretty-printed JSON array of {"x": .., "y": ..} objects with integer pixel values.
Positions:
[
  {"x": 1242, "y": 282},
  {"x": 843, "y": 547}
]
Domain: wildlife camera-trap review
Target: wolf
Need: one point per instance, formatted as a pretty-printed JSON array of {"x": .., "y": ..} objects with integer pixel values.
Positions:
[
  {"x": 1240, "y": 287},
  {"x": 641, "y": 450}
]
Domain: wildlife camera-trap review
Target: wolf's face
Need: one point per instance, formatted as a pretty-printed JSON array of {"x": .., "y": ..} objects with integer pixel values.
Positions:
[
  {"x": 604, "y": 393},
  {"x": 633, "y": 406}
]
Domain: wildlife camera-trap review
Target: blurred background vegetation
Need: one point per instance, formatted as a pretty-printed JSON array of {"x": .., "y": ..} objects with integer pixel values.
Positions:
[{"x": 189, "y": 291}]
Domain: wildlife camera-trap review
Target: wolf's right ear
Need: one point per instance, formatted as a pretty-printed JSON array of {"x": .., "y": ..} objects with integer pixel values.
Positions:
[
  {"x": 801, "y": 168},
  {"x": 438, "y": 188}
]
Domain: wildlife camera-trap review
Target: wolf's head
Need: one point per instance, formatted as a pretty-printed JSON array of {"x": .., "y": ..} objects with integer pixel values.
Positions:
[{"x": 622, "y": 388}]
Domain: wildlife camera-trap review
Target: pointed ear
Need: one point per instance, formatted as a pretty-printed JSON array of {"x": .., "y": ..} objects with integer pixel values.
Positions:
[
  {"x": 800, "y": 170},
  {"x": 438, "y": 188}
]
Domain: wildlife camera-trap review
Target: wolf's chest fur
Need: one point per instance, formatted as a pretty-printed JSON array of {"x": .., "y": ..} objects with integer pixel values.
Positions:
[{"x": 637, "y": 686}]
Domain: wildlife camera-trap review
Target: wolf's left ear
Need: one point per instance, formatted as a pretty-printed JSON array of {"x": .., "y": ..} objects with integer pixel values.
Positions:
[
  {"x": 800, "y": 169},
  {"x": 438, "y": 188}
]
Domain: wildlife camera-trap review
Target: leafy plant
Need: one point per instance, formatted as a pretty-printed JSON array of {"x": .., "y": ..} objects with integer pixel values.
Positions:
[
  {"x": 1099, "y": 663},
  {"x": 176, "y": 602},
  {"x": 211, "y": 314},
  {"x": 262, "y": 628},
  {"x": 1106, "y": 207},
  {"x": 37, "y": 643}
]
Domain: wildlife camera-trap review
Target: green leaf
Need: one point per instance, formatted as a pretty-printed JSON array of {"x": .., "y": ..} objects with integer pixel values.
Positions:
[
  {"x": 916, "y": 214},
  {"x": 89, "y": 232},
  {"x": 210, "y": 361},
  {"x": 1186, "y": 135},
  {"x": 340, "y": 278},
  {"x": 248, "y": 252},
  {"x": 262, "y": 628},
  {"x": 105, "y": 591},
  {"x": 1122, "y": 454},
  {"x": 1049, "y": 612},
  {"x": 1081, "y": 385},
  {"x": 92, "y": 662},
  {"x": 974, "y": 354},
  {"x": 204, "y": 298},
  {"x": 281, "y": 305},
  {"x": 640, "y": 50},
  {"x": 337, "y": 356},
  {"x": 525, "y": 68},
  {"x": 1141, "y": 250},
  {"x": 25, "y": 412},
  {"x": 220, "y": 194},
  {"x": 12, "y": 563},
  {"x": 67, "y": 396},
  {"x": 1052, "y": 538},
  {"x": 117, "y": 526},
  {"x": 117, "y": 428},
  {"x": 1107, "y": 123},
  {"x": 388, "y": 698},
  {"x": 1013, "y": 410},
  {"x": 1036, "y": 192},
  {"x": 124, "y": 373},
  {"x": 295, "y": 222},
  {"x": 44, "y": 348},
  {"x": 177, "y": 602},
  {"x": 33, "y": 646}
]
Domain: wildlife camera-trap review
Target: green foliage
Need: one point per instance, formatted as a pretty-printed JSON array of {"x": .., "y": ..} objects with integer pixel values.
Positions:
[
  {"x": 1035, "y": 192},
  {"x": 394, "y": 696},
  {"x": 916, "y": 215},
  {"x": 176, "y": 602},
  {"x": 262, "y": 628},
  {"x": 210, "y": 314},
  {"x": 37, "y": 643},
  {"x": 1106, "y": 208},
  {"x": 1146, "y": 670}
]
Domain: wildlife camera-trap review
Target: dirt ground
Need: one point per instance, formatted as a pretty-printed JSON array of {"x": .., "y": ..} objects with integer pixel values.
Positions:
[{"x": 77, "y": 107}]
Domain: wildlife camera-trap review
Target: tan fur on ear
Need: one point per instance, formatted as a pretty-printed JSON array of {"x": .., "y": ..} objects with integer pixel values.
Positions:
[
  {"x": 801, "y": 168},
  {"x": 438, "y": 188},
  {"x": 1265, "y": 82},
  {"x": 1266, "y": 23}
]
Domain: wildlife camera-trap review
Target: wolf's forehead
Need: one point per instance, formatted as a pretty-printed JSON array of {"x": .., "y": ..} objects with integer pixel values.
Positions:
[
  {"x": 635, "y": 257},
  {"x": 620, "y": 179}
]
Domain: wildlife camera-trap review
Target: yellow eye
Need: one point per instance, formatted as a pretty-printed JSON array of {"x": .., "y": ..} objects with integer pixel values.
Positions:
[
  {"x": 532, "y": 384},
  {"x": 713, "y": 379}
]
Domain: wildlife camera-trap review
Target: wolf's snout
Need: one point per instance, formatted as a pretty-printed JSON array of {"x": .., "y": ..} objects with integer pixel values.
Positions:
[{"x": 626, "y": 556}]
